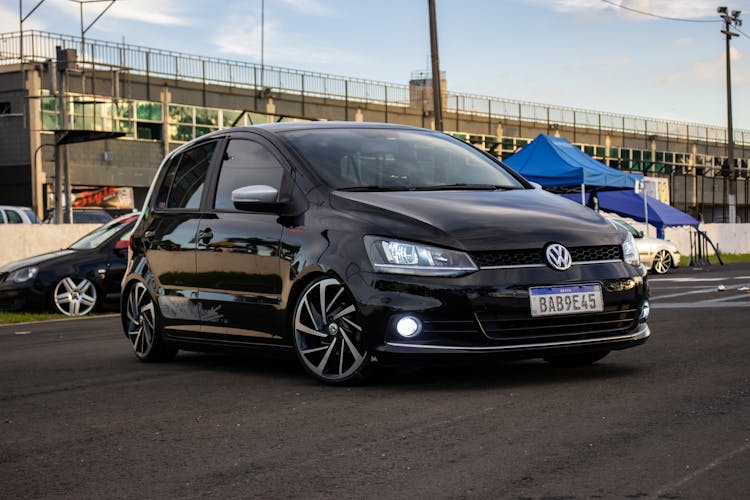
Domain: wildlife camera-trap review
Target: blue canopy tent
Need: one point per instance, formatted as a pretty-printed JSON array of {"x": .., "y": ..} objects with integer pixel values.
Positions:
[
  {"x": 553, "y": 162},
  {"x": 630, "y": 204}
]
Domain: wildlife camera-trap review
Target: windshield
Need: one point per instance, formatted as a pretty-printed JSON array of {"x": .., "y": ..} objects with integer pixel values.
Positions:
[
  {"x": 360, "y": 159},
  {"x": 101, "y": 234}
]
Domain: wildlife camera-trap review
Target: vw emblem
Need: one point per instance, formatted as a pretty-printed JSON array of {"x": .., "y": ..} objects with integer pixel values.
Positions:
[{"x": 558, "y": 257}]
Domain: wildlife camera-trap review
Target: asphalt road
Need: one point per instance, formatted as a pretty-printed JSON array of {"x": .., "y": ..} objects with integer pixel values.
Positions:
[{"x": 81, "y": 418}]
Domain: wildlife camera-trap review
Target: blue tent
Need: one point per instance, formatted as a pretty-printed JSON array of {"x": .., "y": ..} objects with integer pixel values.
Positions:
[
  {"x": 554, "y": 162},
  {"x": 630, "y": 204}
]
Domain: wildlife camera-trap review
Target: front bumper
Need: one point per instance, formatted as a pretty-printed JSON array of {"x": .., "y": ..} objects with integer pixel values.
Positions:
[{"x": 488, "y": 312}]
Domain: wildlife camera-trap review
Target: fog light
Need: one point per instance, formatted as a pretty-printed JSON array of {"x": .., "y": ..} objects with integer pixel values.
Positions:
[
  {"x": 645, "y": 310},
  {"x": 408, "y": 326}
]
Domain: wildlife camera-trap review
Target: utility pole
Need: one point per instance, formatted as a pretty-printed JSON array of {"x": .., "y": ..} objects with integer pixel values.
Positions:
[
  {"x": 437, "y": 97},
  {"x": 730, "y": 19}
]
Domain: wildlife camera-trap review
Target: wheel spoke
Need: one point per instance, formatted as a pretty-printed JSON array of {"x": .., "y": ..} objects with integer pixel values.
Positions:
[
  {"x": 306, "y": 329},
  {"x": 322, "y": 287},
  {"x": 310, "y": 313},
  {"x": 88, "y": 300},
  {"x": 322, "y": 364},
  {"x": 335, "y": 298},
  {"x": 315, "y": 349},
  {"x": 352, "y": 349},
  {"x": 63, "y": 298},
  {"x": 69, "y": 285},
  {"x": 344, "y": 312},
  {"x": 352, "y": 324}
]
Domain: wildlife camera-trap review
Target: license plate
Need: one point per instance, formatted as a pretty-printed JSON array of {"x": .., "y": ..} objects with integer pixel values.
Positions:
[{"x": 571, "y": 299}]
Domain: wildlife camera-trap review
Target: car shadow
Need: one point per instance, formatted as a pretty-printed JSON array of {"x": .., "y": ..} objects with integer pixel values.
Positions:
[{"x": 451, "y": 376}]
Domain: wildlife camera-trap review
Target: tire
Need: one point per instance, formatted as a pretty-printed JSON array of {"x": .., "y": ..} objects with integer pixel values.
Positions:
[
  {"x": 586, "y": 358},
  {"x": 662, "y": 262},
  {"x": 140, "y": 319},
  {"x": 327, "y": 333},
  {"x": 75, "y": 296}
]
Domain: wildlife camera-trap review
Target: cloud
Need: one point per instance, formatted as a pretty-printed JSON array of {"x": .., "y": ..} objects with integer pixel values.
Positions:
[
  {"x": 308, "y": 7},
  {"x": 683, "y": 42},
  {"x": 242, "y": 37},
  {"x": 575, "y": 66},
  {"x": 158, "y": 12},
  {"x": 715, "y": 70},
  {"x": 688, "y": 9},
  {"x": 671, "y": 80},
  {"x": 161, "y": 12},
  {"x": 9, "y": 20},
  {"x": 620, "y": 63}
]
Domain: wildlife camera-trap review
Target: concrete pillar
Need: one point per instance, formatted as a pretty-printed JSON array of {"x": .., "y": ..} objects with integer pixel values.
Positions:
[
  {"x": 693, "y": 156},
  {"x": 607, "y": 147},
  {"x": 33, "y": 84},
  {"x": 499, "y": 132},
  {"x": 165, "y": 97},
  {"x": 270, "y": 109},
  {"x": 359, "y": 116}
]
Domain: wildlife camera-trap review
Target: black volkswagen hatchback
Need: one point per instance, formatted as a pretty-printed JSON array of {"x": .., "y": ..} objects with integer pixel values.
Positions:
[{"x": 354, "y": 244}]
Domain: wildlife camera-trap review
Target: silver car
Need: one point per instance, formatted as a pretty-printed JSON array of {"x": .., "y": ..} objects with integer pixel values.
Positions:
[{"x": 658, "y": 255}]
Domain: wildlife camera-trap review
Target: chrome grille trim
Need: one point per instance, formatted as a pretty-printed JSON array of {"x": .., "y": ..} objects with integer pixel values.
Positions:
[
  {"x": 642, "y": 333},
  {"x": 520, "y": 266}
]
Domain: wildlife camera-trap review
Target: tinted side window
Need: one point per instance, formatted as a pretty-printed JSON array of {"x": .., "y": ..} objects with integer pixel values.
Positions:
[
  {"x": 13, "y": 217},
  {"x": 246, "y": 163},
  {"x": 183, "y": 183}
]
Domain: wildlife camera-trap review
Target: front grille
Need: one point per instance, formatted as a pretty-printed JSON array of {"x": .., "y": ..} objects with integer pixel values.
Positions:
[
  {"x": 535, "y": 256},
  {"x": 514, "y": 329}
]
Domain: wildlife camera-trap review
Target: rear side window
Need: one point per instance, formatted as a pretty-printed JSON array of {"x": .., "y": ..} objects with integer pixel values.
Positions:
[
  {"x": 246, "y": 163},
  {"x": 183, "y": 182},
  {"x": 13, "y": 217}
]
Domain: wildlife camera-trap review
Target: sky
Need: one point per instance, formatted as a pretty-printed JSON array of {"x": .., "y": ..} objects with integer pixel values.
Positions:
[{"x": 586, "y": 54}]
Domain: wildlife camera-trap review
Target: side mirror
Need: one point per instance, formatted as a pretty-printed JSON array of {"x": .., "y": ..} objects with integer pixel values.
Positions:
[
  {"x": 535, "y": 184},
  {"x": 639, "y": 234},
  {"x": 260, "y": 198}
]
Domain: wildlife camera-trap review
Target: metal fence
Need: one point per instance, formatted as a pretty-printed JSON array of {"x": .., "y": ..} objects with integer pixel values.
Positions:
[{"x": 40, "y": 46}]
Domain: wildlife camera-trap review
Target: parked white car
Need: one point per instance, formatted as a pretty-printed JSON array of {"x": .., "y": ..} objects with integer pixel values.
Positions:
[
  {"x": 657, "y": 255},
  {"x": 17, "y": 215}
]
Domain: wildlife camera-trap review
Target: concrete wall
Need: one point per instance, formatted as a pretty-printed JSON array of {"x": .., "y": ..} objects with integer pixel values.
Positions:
[
  {"x": 729, "y": 238},
  {"x": 18, "y": 241}
]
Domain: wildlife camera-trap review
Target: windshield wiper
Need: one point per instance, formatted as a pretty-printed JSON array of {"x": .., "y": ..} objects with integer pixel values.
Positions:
[
  {"x": 374, "y": 188},
  {"x": 464, "y": 187}
]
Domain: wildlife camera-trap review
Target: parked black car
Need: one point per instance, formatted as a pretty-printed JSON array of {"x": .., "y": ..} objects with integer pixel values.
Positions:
[
  {"x": 360, "y": 243},
  {"x": 74, "y": 281}
]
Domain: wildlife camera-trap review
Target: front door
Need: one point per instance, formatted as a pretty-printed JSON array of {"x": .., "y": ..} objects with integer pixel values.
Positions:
[{"x": 238, "y": 252}]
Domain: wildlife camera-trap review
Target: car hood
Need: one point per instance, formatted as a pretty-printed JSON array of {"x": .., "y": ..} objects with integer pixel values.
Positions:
[
  {"x": 35, "y": 261},
  {"x": 479, "y": 220}
]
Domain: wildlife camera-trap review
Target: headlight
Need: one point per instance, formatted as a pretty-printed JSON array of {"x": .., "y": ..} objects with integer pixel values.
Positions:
[
  {"x": 630, "y": 251},
  {"x": 23, "y": 275},
  {"x": 402, "y": 257}
]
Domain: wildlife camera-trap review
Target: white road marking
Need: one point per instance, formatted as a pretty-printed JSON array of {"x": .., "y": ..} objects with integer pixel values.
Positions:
[
  {"x": 23, "y": 333},
  {"x": 696, "y": 280},
  {"x": 672, "y": 487}
]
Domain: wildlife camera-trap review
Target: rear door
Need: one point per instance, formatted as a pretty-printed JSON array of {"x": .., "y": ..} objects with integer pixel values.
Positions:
[
  {"x": 170, "y": 235},
  {"x": 238, "y": 251}
]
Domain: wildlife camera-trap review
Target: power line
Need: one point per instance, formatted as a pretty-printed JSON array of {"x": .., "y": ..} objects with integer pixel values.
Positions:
[
  {"x": 658, "y": 16},
  {"x": 741, "y": 32}
]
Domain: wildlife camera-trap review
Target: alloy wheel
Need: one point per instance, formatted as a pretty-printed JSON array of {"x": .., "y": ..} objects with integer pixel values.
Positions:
[
  {"x": 328, "y": 336},
  {"x": 75, "y": 296},
  {"x": 662, "y": 262},
  {"x": 141, "y": 320}
]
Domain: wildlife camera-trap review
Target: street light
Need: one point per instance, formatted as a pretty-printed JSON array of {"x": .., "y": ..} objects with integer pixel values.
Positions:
[{"x": 730, "y": 19}]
